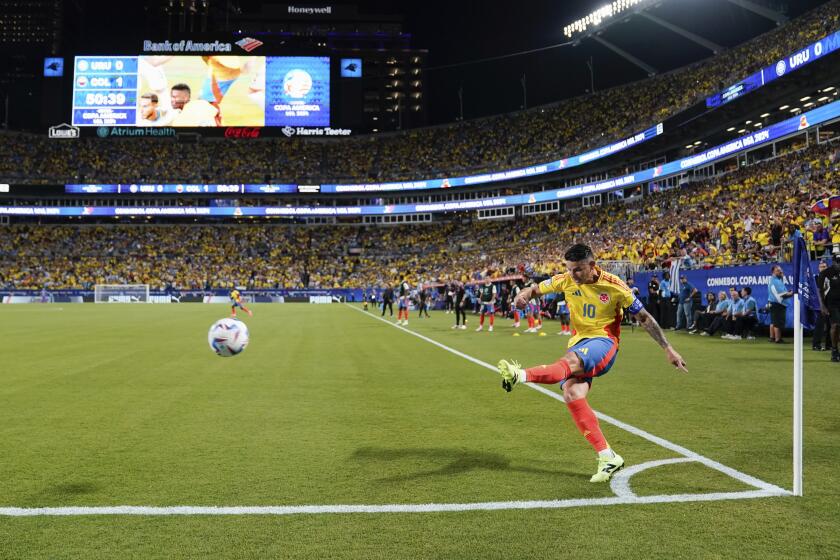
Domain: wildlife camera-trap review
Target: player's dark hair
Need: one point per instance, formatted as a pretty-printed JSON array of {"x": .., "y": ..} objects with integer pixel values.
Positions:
[
  {"x": 182, "y": 87},
  {"x": 578, "y": 252},
  {"x": 152, "y": 96},
  {"x": 748, "y": 290}
]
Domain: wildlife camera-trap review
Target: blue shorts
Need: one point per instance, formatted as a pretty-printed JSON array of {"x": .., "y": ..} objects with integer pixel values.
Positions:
[
  {"x": 235, "y": 304},
  {"x": 597, "y": 356},
  {"x": 403, "y": 304},
  {"x": 488, "y": 308},
  {"x": 533, "y": 309}
]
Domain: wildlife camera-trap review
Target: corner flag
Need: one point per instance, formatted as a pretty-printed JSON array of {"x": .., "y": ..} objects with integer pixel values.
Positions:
[
  {"x": 805, "y": 285},
  {"x": 804, "y": 294}
]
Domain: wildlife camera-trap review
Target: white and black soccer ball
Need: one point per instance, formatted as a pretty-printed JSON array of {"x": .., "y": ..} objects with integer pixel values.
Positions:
[{"x": 228, "y": 337}]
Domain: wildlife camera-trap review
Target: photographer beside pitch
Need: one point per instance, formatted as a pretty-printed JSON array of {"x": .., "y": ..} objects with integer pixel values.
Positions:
[{"x": 596, "y": 300}]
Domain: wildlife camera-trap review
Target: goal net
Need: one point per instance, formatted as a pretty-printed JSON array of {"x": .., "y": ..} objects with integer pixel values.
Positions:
[{"x": 121, "y": 293}]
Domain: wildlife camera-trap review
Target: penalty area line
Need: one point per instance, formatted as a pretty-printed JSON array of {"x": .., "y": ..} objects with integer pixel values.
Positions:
[{"x": 772, "y": 489}]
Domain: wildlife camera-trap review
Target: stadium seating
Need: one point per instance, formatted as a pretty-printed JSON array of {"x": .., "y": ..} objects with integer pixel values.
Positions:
[
  {"x": 505, "y": 141},
  {"x": 741, "y": 217}
]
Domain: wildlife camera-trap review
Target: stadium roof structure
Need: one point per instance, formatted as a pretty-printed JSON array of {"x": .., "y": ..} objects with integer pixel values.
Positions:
[{"x": 594, "y": 25}]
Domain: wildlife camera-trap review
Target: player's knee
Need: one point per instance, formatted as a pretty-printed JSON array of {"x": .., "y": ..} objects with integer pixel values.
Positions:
[{"x": 574, "y": 392}]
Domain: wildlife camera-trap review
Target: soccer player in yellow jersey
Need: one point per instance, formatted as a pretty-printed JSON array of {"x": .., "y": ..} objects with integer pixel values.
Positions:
[
  {"x": 597, "y": 301},
  {"x": 236, "y": 301}
]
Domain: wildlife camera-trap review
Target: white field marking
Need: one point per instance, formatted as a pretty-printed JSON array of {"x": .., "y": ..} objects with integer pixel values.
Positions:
[
  {"x": 619, "y": 485},
  {"x": 737, "y": 475},
  {"x": 620, "y": 482},
  {"x": 386, "y": 508}
]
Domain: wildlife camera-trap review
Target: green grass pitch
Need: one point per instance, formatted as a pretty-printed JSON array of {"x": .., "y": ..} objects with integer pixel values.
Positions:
[{"x": 113, "y": 405}]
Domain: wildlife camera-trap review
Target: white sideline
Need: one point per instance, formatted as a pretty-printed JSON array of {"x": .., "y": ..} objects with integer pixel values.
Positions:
[
  {"x": 386, "y": 508},
  {"x": 737, "y": 475}
]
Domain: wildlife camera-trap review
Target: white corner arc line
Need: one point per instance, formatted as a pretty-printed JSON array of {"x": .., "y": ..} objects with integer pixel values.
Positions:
[
  {"x": 620, "y": 482},
  {"x": 729, "y": 471}
]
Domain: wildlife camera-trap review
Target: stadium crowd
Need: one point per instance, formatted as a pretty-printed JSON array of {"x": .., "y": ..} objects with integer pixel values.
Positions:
[
  {"x": 505, "y": 141},
  {"x": 744, "y": 216}
]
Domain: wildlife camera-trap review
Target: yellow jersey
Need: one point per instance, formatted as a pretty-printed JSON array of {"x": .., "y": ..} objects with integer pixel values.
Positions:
[
  {"x": 234, "y": 296},
  {"x": 596, "y": 309}
]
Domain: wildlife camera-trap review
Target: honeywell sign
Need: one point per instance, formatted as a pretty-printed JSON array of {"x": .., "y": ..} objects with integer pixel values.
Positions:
[{"x": 310, "y": 10}]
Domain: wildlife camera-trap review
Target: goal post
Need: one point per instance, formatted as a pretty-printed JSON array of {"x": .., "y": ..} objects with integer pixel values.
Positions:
[{"x": 121, "y": 293}]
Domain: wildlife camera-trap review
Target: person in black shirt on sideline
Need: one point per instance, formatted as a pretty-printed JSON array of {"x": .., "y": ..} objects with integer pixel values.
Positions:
[
  {"x": 821, "y": 339},
  {"x": 828, "y": 284},
  {"x": 388, "y": 300}
]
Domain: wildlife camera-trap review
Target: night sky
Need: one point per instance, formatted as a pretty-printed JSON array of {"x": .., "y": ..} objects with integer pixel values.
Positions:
[{"x": 458, "y": 31}]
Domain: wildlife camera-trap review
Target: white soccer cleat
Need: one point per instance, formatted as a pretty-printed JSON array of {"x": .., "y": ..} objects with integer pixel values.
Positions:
[
  {"x": 478, "y": 328},
  {"x": 463, "y": 327},
  {"x": 516, "y": 325},
  {"x": 491, "y": 328}
]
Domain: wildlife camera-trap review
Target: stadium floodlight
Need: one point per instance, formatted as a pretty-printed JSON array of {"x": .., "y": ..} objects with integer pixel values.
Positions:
[
  {"x": 826, "y": 90},
  {"x": 730, "y": 129},
  {"x": 806, "y": 98},
  {"x": 595, "y": 18},
  {"x": 765, "y": 115},
  {"x": 783, "y": 107}
]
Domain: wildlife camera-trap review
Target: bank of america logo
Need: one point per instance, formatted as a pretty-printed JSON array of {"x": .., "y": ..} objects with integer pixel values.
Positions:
[{"x": 248, "y": 44}]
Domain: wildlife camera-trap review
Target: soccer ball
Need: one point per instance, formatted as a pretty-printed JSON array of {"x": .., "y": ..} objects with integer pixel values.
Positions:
[{"x": 228, "y": 337}]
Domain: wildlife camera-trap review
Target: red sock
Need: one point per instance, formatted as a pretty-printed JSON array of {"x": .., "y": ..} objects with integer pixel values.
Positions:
[
  {"x": 481, "y": 320},
  {"x": 549, "y": 374},
  {"x": 587, "y": 423},
  {"x": 530, "y": 322},
  {"x": 516, "y": 316},
  {"x": 492, "y": 317}
]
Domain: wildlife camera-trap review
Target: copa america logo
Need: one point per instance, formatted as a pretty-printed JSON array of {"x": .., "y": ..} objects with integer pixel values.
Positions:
[
  {"x": 288, "y": 131},
  {"x": 103, "y": 131},
  {"x": 781, "y": 67}
]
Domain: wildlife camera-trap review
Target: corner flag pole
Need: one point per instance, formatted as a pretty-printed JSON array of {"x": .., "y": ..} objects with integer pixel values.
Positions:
[{"x": 797, "y": 397}]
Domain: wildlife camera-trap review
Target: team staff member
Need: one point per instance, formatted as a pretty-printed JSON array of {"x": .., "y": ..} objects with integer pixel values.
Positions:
[
  {"x": 828, "y": 283},
  {"x": 388, "y": 300},
  {"x": 778, "y": 296}
]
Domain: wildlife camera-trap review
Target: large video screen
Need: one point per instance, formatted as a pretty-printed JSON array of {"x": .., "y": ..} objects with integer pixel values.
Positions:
[{"x": 193, "y": 91}]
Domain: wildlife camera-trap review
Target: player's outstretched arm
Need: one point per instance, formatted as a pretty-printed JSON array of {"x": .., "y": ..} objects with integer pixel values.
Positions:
[
  {"x": 525, "y": 295},
  {"x": 648, "y": 323}
]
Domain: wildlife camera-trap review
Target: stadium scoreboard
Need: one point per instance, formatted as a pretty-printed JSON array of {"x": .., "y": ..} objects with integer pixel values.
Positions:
[
  {"x": 105, "y": 91},
  {"x": 201, "y": 90}
]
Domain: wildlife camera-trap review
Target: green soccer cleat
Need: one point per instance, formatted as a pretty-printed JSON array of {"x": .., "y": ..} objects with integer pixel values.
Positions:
[
  {"x": 512, "y": 373},
  {"x": 607, "y": 468}
]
